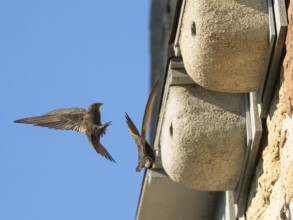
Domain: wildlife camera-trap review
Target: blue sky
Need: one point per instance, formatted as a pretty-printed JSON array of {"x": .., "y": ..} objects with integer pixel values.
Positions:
[{"x": 57, "y": 54}]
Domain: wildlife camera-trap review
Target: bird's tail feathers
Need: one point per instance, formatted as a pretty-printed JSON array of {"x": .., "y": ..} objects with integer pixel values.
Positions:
[{"x": 100, "y": 148}]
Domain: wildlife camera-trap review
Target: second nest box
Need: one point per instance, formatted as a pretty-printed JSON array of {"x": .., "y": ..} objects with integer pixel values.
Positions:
[
  {"x": 224, "y": 44},
  {"x": 201, "y": 134}
]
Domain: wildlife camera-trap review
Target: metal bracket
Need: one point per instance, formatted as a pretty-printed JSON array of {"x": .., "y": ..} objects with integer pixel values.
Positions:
[
  {"x": 278, "y": 28},
  {"x": 175, "y": 75},
  {"x": 174, "y": 37},
  {"x": 254, "y": 132}
]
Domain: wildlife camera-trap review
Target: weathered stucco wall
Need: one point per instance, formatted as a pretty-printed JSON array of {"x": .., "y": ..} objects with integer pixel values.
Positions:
[
  {"x": 268, "y": 170},
  {"x": 288, "y": 64},
  {"x": 271, "y": 195}
]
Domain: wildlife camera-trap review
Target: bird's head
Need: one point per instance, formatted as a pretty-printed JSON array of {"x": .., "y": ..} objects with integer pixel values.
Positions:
[
  {"x": 149, "y": 163},
  {"x": 95, "y": 106}
]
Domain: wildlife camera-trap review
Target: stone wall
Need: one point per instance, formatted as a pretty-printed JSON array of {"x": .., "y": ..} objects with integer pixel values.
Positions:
[{"x": 271, "y": 194}]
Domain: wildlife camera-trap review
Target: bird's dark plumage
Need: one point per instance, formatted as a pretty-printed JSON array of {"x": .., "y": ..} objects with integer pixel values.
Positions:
[
  {"x": 87, "y": 122},
  {"x": 146, "y": 153}
]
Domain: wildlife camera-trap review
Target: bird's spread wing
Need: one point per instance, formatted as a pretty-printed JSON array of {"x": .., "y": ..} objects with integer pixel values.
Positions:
[
  {"x": 63, "y": 119},
  {"x": 66, "y": 111},
  {"x": 133, "y": 131},
  {"x": 95, "y": 141},
  {"x": 148, "y": 111}
]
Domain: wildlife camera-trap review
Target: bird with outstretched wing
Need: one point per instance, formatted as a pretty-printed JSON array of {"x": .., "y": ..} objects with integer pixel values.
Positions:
[
  {"x": 146, "y": 153},
  {"x": 84, "y": 121}
]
